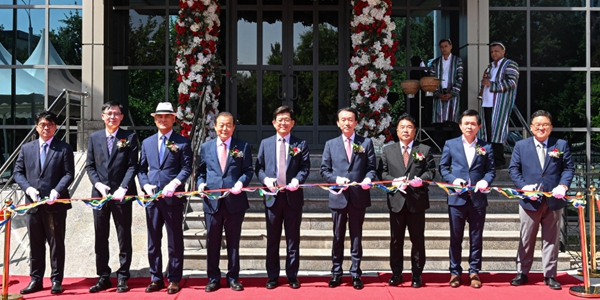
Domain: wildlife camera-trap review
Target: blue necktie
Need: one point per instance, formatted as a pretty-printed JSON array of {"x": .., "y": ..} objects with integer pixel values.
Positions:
[
  {"x": 43, "y": 154},
  {"x": 161, "y": 153}
]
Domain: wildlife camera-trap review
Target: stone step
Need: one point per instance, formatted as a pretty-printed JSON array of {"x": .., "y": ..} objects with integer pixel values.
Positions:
[{"x": 373, "y": 259}]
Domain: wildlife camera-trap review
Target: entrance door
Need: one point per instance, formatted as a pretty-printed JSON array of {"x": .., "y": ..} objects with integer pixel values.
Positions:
[{"x": 294, "y": 53}]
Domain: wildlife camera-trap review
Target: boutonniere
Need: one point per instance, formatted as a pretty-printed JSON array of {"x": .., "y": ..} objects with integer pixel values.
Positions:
[
  {"x": 123, "y": 143},
  {"x": 418, "y": 156},
  {"x": 555, "y": 153},
  {"x": 294, "y": 151},
  {"x": 172, "y": 146},
  {"x": 480, "y": 150},
  {"x": 236, "y": 153},
  {"x": 357, "y": 148}
]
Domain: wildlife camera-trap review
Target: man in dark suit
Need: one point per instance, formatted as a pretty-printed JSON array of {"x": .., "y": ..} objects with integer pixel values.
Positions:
[
  {"x": 357, "y": 165},
  {"x": 225, "y": 163},
  {"x": 466, "y": 161},
  {"x": 407, "y": 163},
  {"x": 283, "y": 160},
  {"x": 111, "y": 164},
  {"x": 165, "y": 164},
  {"x": 552, "y": 171},
  {"x": 45, "y": 169}
]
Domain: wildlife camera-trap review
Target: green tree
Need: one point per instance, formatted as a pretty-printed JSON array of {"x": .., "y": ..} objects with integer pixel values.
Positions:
[{"x": 67, "y": 39}]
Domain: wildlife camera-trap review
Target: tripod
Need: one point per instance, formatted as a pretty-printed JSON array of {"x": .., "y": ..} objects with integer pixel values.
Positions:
[{"x": 421, "y": 130}]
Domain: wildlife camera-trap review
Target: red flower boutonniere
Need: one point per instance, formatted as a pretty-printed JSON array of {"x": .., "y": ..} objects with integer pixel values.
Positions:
[
  {"x": 295, "y": 151},
  {"x": 123, "y": 143},
  {"x": 418, "y": 156},
  {"x": 236, "y": 153},
  {"x": 172, "y": 146},
  {"x": 480, "y": 150},
  {"x": 555, "y": 153}
]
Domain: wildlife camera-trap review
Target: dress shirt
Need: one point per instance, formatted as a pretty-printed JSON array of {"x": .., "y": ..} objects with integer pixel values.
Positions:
[
  {"x": 227, "y": 145},
  {"x": 278, "y": 146},
  {"x": 168, "y": 135},
  {"x": 115, "y": 134},
  {"x": 446, "y": 71},
  {"x": 469, "y": 149},
  {"x": 489, "y": 97},
  {"x": 48, "y": 142}
]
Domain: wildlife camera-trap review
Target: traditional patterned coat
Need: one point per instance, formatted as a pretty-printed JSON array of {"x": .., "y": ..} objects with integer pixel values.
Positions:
[
  {"x": 447, "y": 110},
  {"x": 504, "y": 88}
]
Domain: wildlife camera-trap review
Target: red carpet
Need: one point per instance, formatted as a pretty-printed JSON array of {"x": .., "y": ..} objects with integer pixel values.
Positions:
[{"x": 495, "y": 286}]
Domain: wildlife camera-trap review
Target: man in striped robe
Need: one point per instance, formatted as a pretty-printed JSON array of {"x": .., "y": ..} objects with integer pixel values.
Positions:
[{"x": 499, "y": 93}]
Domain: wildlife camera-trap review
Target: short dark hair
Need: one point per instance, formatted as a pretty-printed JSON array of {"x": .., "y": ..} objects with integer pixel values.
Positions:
[
  {"x": 497, "y": 44},
  {"x": 225, "y": 114},
  {"x": 46, "y": 115},
  {"x": 282, "y": 110},
  {"x": 470, "y": 113},
  {"x": 350, "y": 109},
  {"x": 445, "y": 40},
  {"x": 110, "y": 104},
  {"x": 407, "y": 117},
  {"x": 541, "y": 113}
]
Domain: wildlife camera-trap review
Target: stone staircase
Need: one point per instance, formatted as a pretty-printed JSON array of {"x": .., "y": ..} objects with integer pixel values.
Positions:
[{"x": 501, "y": 233}]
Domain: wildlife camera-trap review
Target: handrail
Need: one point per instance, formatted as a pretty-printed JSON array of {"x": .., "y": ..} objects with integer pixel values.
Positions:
[{"x": 526, "y": 128}]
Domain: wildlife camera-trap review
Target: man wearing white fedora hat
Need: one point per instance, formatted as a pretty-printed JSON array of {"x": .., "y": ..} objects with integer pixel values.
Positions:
[{"x": 165, "y": 165}]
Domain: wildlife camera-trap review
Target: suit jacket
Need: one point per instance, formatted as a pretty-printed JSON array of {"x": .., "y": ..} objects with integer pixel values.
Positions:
[
  {"x": 175, "y": 164},
  {"x": 57, "y": 172},
  {"x": 297, "y": 166},
  {"x": 391, "y": 166},
  {"x": 236, "y": 169},
  {"x": 525, "y": 169},
  {"x": 118, "y": 169},
  {"x": 453, "y": 165},
  {"x": 362, "y": 165}
]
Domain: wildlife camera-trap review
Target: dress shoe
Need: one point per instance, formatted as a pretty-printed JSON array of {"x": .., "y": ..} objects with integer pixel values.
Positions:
[
  {"x": 357, "y": 283},
  {"x": 395, "y": 280},
  {"x": 212, "y": 286},
  {"x": 520, "y": 279},
  {"x": 475, "y": 281},
  {"x": 173, "y": 288},
  {"x": 101, "y": 285},
  {"x": 417, "y": 281},
  {"x": 34, "y": 286},
  {"x": 335, "y": 280},
  {"x": 272, "y": 283},
  {"x": 552, "y": 283},
  {"x": 455, "y": 281},
  {"x": 122, "y": 286},
  {"x": 294, "y": 283},
  {"x": 155, "y": 286},
  {"x": 56, "y": 288},
  {"x": 235, "y": 285}
]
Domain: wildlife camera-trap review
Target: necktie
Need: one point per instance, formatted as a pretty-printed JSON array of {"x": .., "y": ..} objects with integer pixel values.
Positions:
[
  {"x": 405, "y": 156},
  {"x": 542, "y": 154},
  {"x": 161, "y": 153},
  {"x": 109, "y": 142},
  {"x": 348, "y": 149},
  {"x": 281, "y": 164},
  {"x": 223, "y": 157},
  {"x": 43, "y": 154}
]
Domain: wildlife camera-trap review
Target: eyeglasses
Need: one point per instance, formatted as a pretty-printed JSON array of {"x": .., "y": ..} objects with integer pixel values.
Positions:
[
  {"x": 283, "y": 121},
  {"x": 544, "y": 125},
  {"x": 113, "y": 114},
  {"x": 409, "y": 127},
  {"x": 46, "y": 125}
]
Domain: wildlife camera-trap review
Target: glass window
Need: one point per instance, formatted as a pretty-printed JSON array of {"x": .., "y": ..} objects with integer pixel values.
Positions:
[
  {"x": 559, "y": 38},
  {"x": 401, "y": 59},
  {"x": 246, "y": 38},
  {"x": 507, "y": 3},
  {"x": 595, "y": 38},
  {"x": 138, "y": 38},
  {"x": 66, "y": 2},
  {"x": 508, "y": 27},
  {"x": 328, "y": 38},
  {"x": 30, "y": 27},
  {"x": 303, "y": 96},
  {"x": 303, "y": 38},
  {"x": 595, "y": 100},
  {"x": 558, "y": 3},
  {"x": 25, "y": 2},
  {"x": 65, "y": 37},
  {"x": 246, "y": 97},
  {"x": 272, "y": 38},
  {"x": 562, "y": 94},
  {"x": 396, "y": 95},
  {"x": 328, "y": 97},
  {"x": 421, "y": 35}
]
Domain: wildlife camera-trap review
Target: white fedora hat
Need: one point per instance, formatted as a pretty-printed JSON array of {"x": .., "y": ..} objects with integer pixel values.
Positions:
[{"x": 164, "y": 108}]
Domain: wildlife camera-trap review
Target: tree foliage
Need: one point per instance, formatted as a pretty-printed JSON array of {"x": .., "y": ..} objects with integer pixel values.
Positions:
[{"x": 67, "y": 39}]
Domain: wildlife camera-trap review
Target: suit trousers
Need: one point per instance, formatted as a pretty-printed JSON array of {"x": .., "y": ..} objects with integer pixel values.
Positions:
[
  {"x": 44, "y": 226},
  {"x": 277, "y": 215},
  {"x": 416, "y": 229},
  {"x": 215, "y": 223},
  {"x": 530, "y": 222},
  {"x": 459, "y": 215},
  {"x": 355, "y": 218},
  {"x": 161, "y": 214},
  {"x": 121, "y": 214}
]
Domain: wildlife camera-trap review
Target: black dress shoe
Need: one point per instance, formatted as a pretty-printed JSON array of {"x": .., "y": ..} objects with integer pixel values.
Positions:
[
  {"x": 294, "y": 283},
  {"x": 235, "y": 285},
  {"x": 417, "y": 281},
  {"x": 173, "y": 288},
  {"x": 520, "y": 279},
  {"x": 101, "y": 285},
  {"x": 272, "y": 283},
  {"x": 552, "y": 283},
  {"x": 34, "y": 286},
  {"x": 395, "y": 280},
  {"x": 335, "y": 280},
  {"x": 357, "y": 283},
  {"x": 56, "y": 288},
  {"x": 122, "y": 286},
  {"x": 155, "y": 286},
  {"x": 212, "y": 286}
]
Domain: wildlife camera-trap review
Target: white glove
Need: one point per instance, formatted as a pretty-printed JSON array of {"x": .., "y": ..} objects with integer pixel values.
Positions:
[
  {"x": 416, "y": 182},
  {"x": 170, "y": 188},
  {"x": 53, "y": 196},
  {"x": 237, "y": 188},
  {"x": 480, "y": 186},
  {"x": 398, "y": 181},
  {"x": 149, "y": 189},
  {"x": 559, "y": 192},
  {"x": 342, "y": 180},
  {"x": 366, "y": 183},
  {"x": 293, "y": 186},
  {"x": 459, "y": 181},
  {"x": 270, "y": 183},
  {"x": 529, "y": 187},
  {"x": 33, "y": 194},
  {"x": 119, "y": 194},
  {"x": 102, "y": 188},
  {"x": 201, "y": 187}
]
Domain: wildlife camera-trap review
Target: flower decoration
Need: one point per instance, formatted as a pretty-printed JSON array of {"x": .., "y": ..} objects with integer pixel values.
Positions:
[
  {"x": 236, "y": 153},
  {"x": 123, "y": 143},
  {"x": 418, "y": 156},
  {"x": 357, "y": 148},
  {"x": 480, "y": 150},
  {"x": 374, "y": 45},
  {"x": 197, "y": 65},
  {"x": 295, "y": 151},
  {"x": 172, "y": 146},
  {"x": 555, "y": 153}
]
